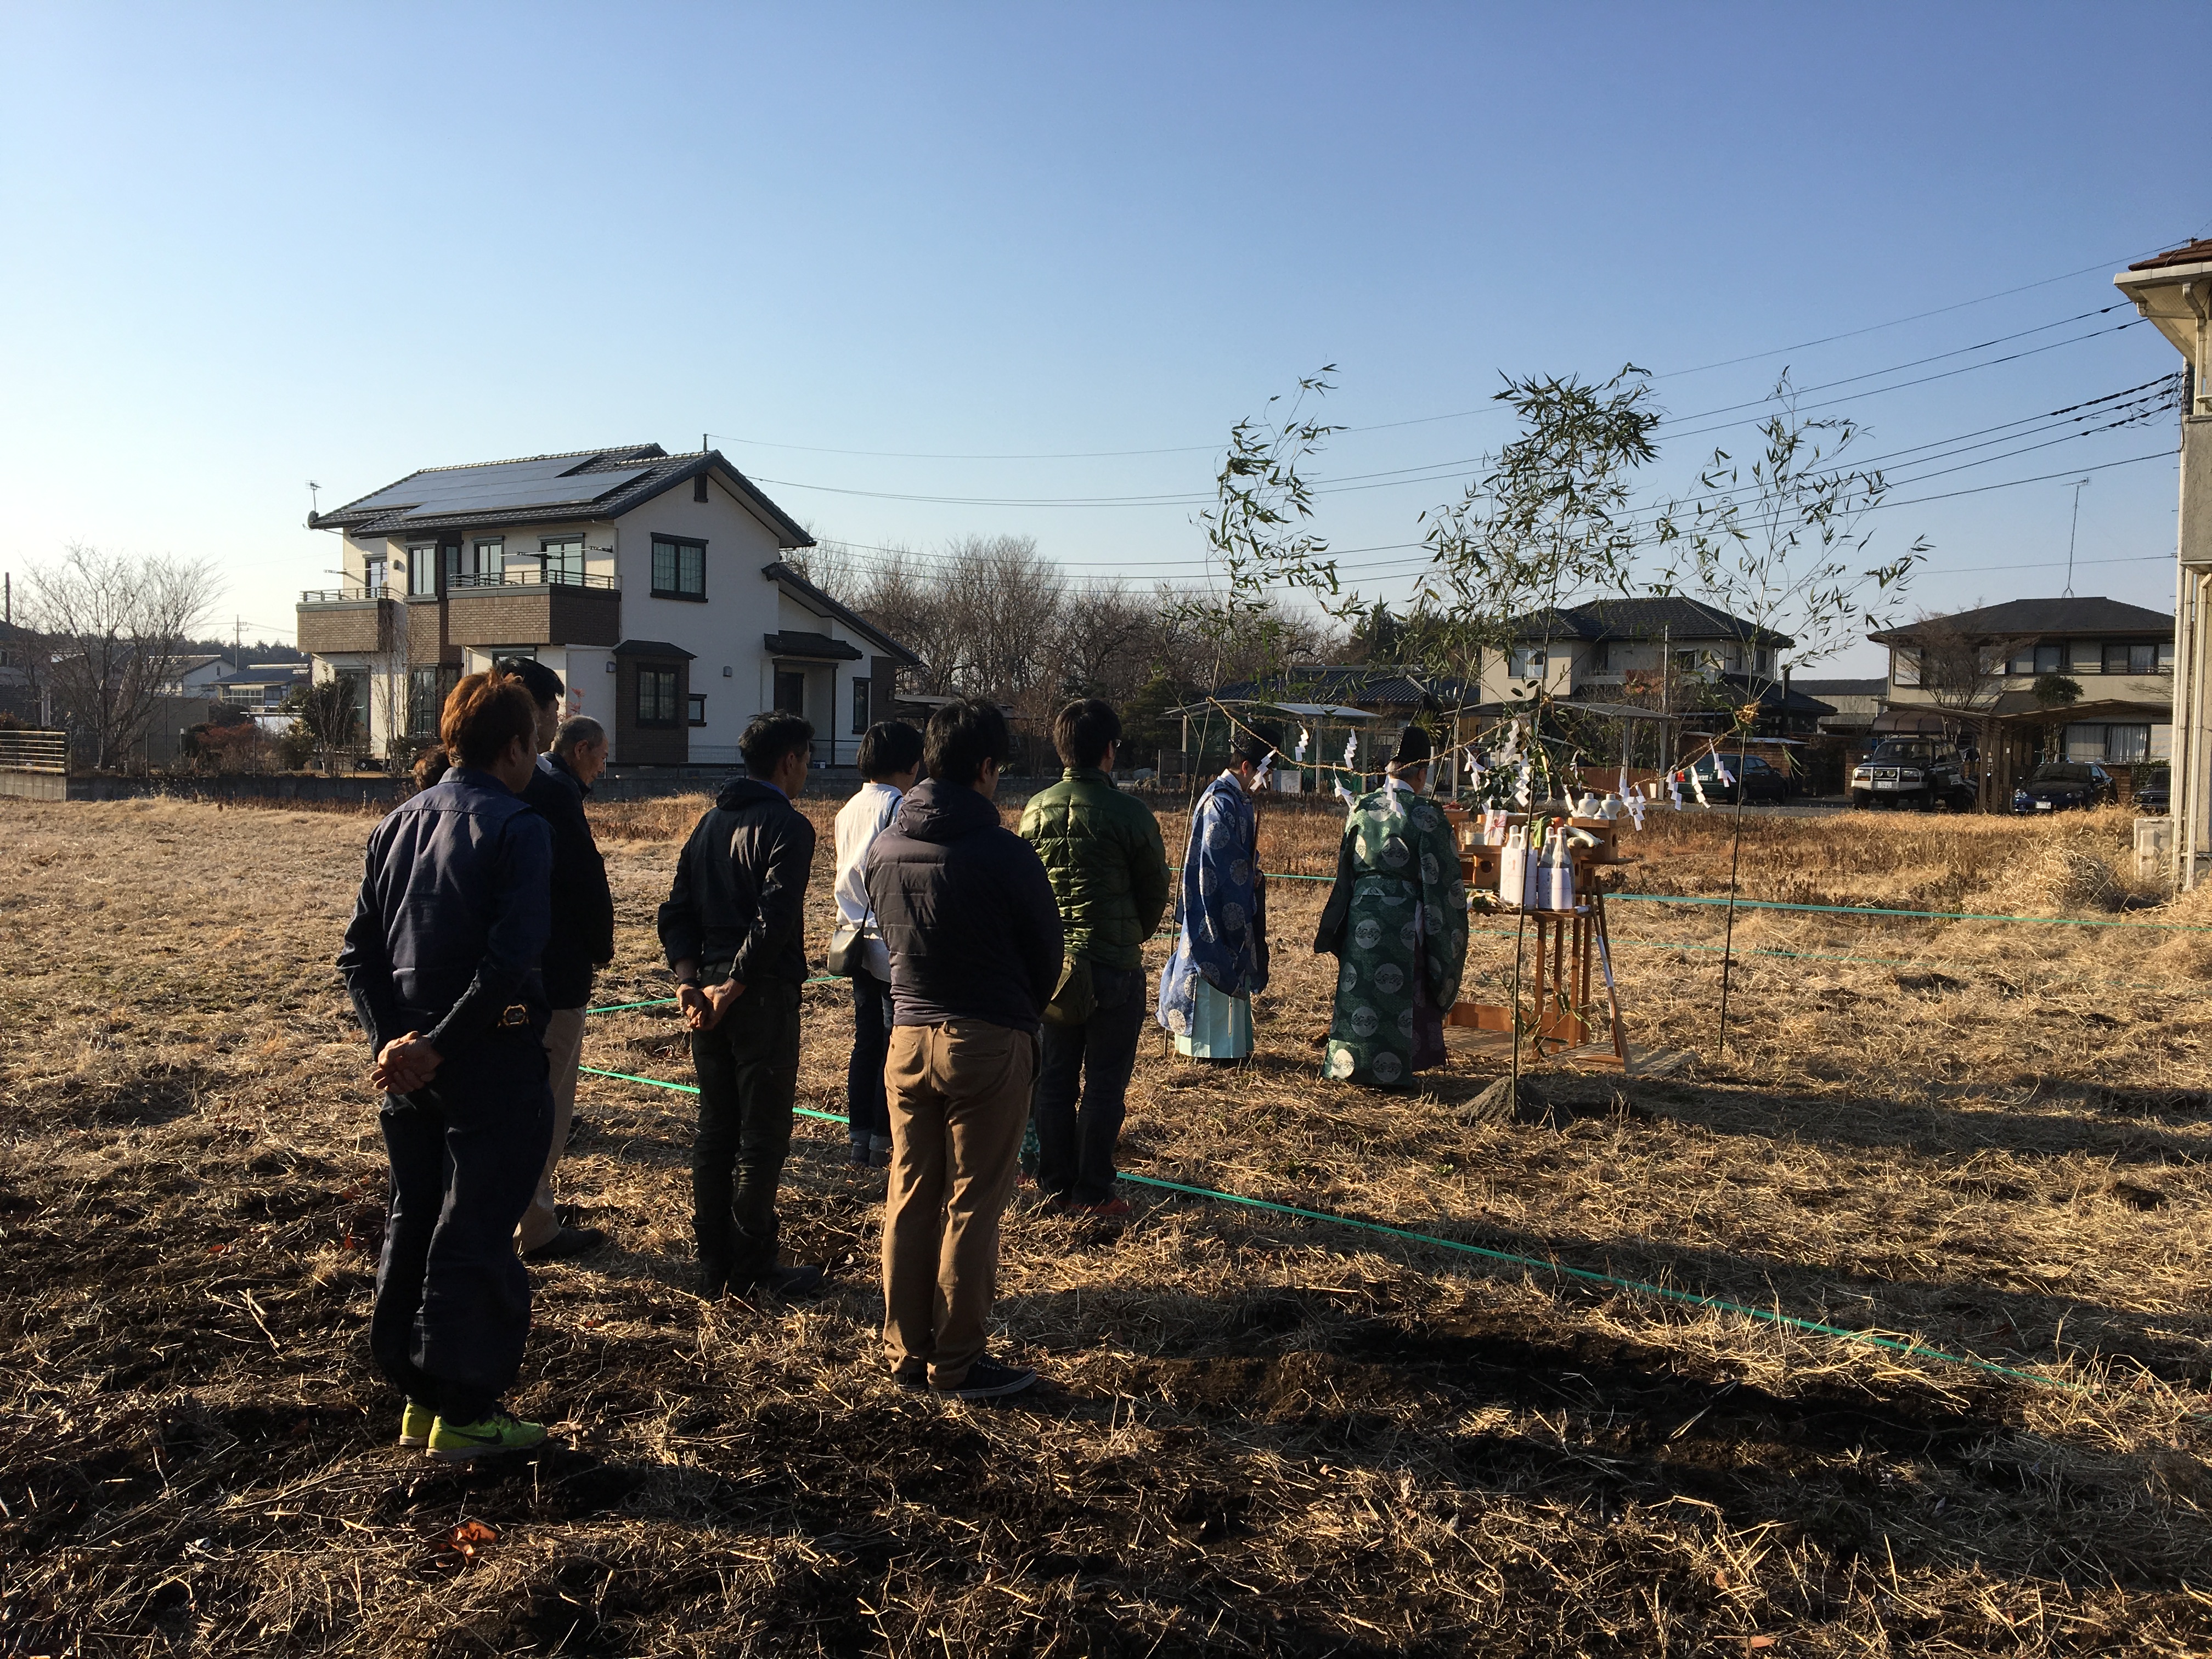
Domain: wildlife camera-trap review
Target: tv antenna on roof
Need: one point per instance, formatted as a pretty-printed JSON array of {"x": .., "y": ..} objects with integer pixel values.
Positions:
[
  {"x": 2078, "y": 486},
  {"x": 314, "y": 492}
]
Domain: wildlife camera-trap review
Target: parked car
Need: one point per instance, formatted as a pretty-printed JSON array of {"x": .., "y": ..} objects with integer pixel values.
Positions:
[
  {"x": 2153, "y": 795},
  {"x": 1760, "y": 780},
  {"x": 2057, "y": 786},
  {"x": 1921, "y": 773}
]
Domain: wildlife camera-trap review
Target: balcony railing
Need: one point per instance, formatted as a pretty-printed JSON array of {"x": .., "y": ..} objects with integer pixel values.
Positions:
[
  {"x": 531, "y": 576},
  {"x": 343, "y": 595}
]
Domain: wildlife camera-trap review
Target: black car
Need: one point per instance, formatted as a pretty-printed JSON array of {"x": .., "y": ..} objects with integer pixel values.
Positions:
[
  {"x": 2153, "y": 795},
  {"x": 2057, "y": 786},
  {"x": 1760, "y": 780}
]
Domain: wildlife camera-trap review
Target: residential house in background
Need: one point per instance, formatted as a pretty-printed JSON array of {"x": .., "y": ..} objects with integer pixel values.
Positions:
[
  {"x": 1609, "y": 649},
  {"x": 2121, "y": 655},
  {"x": 653, "y": 584}
]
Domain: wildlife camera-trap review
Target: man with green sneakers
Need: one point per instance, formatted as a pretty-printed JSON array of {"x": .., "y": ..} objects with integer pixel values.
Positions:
[{"x": 442, "y": 961}]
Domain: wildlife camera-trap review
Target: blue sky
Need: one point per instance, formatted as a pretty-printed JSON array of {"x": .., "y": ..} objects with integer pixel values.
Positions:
[{"x": 247, "y": 247}]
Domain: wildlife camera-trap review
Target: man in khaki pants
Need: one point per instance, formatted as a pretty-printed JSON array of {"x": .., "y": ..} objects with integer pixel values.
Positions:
[{"x": 973, "y": 930}]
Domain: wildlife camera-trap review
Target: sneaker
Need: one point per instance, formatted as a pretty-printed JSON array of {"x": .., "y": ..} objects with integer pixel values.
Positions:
[
  {"x": 501, "y": 1432},
  {"x": 913, "y": 1374},
  {"x": 569, "y": 1241},
  {"x": 1113, "y": 1209},
  {"x": 414, "y": 1424},
  {"x": 988, "y": 1379}
]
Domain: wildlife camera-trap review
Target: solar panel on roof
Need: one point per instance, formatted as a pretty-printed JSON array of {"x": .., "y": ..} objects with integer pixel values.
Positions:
[{"x": 508, "y": 484}]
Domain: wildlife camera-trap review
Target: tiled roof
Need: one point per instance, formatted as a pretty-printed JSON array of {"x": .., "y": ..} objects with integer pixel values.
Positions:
[
  {"x": 2193, "y": 253},
  {"x": 661, "y": 472},
  {"x": 1645, "y": 619},
  {"x": 817, "y": 646},
  {"x": 1374, "y": 686},
  {"x": 2092, "y": 615},
  {"x": 1772, "y": 697},
  {"x": 1841, "y": 688},
  {"x": 785, "y": 576}
]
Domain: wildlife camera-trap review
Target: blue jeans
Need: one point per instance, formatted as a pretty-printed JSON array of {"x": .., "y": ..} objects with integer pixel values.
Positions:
[
  {"x": 866, "y": 1109},
  {"x": 453, "y": 1301},
  {"x": 1075, "y": 1149}
]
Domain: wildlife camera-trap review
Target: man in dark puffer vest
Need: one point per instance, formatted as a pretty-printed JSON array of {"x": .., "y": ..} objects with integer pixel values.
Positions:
[{"x": 1102, "y": 852}]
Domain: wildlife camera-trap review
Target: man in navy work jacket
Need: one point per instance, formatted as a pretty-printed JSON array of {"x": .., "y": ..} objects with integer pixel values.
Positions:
[
  {"x": 441, "y": 960},
  {"x": 731, "y": 928},
  {"x": 974, "y": 933}
]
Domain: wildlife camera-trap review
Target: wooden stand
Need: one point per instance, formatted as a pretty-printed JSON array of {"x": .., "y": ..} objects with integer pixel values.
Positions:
[{"x": 1568, "y": 945}]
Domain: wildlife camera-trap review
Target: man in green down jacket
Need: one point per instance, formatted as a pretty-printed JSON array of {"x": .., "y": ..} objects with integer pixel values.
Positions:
[{"x": 1109, "y": 872}]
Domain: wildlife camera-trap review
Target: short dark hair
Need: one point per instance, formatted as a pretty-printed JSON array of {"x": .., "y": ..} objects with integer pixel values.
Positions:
[
  {"x": 1081, "y": 731},
  {"x": 1256, "y": 744},
  {"x": 541, "y": 682},
  {"x": 962, "y": 736},
  {"x": 430, "y": 766},
  {"x": 890, "y": 746},
  {"x": 484, "y": 713},
  {"x": 769, "y": 737}
]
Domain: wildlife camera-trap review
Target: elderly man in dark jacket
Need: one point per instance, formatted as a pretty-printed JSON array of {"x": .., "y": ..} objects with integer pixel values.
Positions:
[
  {"x": 968, "y": 916},
  {"x": 731, "y": 928},
  {"x": 442, "y": 959},
  {"x": 583, "y": 938}
]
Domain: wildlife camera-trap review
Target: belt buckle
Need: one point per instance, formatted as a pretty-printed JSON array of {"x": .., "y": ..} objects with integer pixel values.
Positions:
[{"x": 515, "y": 1014}]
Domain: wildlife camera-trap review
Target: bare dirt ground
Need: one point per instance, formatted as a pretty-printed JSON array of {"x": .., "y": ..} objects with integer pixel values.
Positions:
[{"x": 1261, "y": 1435}]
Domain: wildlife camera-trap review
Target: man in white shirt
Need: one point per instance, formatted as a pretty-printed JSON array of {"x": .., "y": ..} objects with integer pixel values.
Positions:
[{"x": 890, "y": 760}]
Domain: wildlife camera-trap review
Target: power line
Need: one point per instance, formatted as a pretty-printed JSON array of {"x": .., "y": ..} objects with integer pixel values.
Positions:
[
  {"x": 1423, "y": 420},
  {"x": 1433, "y": 472}
]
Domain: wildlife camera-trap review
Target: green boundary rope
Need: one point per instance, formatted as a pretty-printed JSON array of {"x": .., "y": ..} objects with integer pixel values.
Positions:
[{"x": 1507, "y": 1258}]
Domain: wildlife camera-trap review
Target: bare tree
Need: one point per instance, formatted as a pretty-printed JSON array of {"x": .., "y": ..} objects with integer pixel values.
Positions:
[
  {"x": 1961, "y": 673},
  {"x": 119, "y": 628}
]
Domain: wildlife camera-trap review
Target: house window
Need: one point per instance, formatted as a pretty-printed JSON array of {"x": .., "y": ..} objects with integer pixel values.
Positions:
[
  {"x": 2126, "y": 745},
  {"x": 356, "y": 683},
  {"x": 564, "y": 559},
  {"x": 2050, "y": 658},
  {"x": 422, "y": 570},
  {"x": 2088, "y": 657},
  {"x": 791, "y": 691},
  {"x": 426, "y": 691},
  {"x": 2165, "y": 657},
  {"x": 860, "y": 707},
  {"x": 1528, "y": 662},
  {"x": 679, "y": 568},
  {"x": 1905, "y": 666},
  {"x": 656, "y": 696},
  {"x": 491, "y": 559},
  {"x": 2022, "y": 661},
  {"x": 698, "y": 709},
  {"x": 699, "y": 488},
  {"x": 372, "y": 575}
]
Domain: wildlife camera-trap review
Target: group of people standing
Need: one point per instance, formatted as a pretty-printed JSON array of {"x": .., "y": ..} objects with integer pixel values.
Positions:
[{"x": 997, "y": 988}]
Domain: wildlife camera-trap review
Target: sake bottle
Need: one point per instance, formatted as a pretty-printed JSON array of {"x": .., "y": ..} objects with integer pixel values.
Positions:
[{"x": 1557, "y": 873}]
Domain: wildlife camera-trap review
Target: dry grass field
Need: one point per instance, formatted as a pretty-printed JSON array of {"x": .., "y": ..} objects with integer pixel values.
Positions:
[{"x": 1261, "y": 1435}]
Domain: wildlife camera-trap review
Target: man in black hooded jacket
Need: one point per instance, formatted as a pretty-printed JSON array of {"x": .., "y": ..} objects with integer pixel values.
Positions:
[{"x": 732, "y": 930}]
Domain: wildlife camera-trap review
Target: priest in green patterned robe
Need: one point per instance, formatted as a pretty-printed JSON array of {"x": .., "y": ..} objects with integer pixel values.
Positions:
[{"x": 1396, "y": 922}]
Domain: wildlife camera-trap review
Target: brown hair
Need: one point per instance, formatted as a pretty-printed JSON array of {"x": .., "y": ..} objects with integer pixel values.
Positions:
[
  {"x": 484, "y": 713},
  {"x": 430, "y": 766}
]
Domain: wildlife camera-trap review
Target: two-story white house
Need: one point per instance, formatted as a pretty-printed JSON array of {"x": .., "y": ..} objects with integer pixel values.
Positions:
[{"x": 654, "y": 584}]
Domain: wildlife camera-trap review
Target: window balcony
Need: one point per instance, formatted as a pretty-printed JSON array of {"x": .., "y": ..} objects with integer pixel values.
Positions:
[
  {"x": 530, "y": 606},
  {"x": 346, "y": 620}
]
